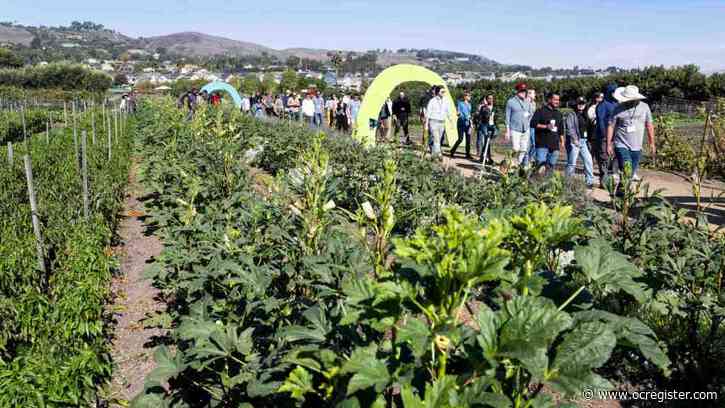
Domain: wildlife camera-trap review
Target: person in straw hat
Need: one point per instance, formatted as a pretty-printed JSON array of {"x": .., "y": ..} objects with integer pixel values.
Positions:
[{"x": 627, "y": 126}]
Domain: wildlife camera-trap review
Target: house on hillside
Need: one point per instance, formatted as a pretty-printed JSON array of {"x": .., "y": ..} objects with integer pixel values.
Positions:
[
  {"x": 330, "y": 78},
  {"x": 106, "y": 67},
  {"x": 513, "y": 76},
  {"x": 351, "y": 83},
  {"x": 137, "y": 52}
]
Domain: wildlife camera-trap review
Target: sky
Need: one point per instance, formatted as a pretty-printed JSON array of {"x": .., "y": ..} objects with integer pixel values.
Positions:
[{"x": 558, "y": 33}]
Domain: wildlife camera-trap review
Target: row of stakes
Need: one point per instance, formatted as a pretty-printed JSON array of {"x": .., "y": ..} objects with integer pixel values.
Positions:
[{"x": 114, "y": 128}]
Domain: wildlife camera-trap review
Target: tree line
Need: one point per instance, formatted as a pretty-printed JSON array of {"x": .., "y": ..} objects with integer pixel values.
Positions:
[
  {"x": 69, "y": 77},
  {"x": 656, "y": 82}
]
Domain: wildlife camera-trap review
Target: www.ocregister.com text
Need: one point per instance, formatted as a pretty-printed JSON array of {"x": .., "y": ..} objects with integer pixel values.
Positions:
[{"x": 590, "y": 394}]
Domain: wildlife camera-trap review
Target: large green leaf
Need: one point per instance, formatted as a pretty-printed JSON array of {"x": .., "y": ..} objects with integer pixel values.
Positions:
[
  {"x": 417, "y": 334},
  {"x": 609, "y": 270},
  {"x": 298, "y": 383},
  {"x": 167, "y": 366},
  {"x": 630, "y": 332},
  {"x": 589, "y": 345},
  {"x": 487, "y": 337},
  {"x": 368, "y": 371},
  {"x": 529, "y": 326},
  {"x": 315, "y": 332}
]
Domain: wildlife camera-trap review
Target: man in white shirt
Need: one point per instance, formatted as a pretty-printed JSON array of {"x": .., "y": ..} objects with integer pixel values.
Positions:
[
  {"x": 308, "y": 110},
  {"x": 437, "y": 113}
]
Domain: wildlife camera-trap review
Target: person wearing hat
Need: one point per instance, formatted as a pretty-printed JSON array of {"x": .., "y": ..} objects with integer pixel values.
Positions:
[
  {"x": 518, "y": 116},
  {"x": 576, "y": 125},
  {"x": 627, "y": 125}
]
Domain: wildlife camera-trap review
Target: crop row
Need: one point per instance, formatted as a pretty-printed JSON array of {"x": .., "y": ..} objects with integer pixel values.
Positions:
[
  {"x": 304, "y": 270},
  {"x": 53, "y": 329}
]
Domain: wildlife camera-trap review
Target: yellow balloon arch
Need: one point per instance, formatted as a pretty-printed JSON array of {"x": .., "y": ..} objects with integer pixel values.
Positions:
[{"x": 380, "y": 90}]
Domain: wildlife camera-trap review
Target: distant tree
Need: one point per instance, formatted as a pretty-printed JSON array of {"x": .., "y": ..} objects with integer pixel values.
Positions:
[
  {"x": 250, "y": 84},
  {"x": 293, "y": 62},
  {"x": 120, "y": 79},
  {"x": 336, "y": 60},
  {"x": 289, "y": 80},
  {"x": 9, "y": 59},
  {"x": 36, "y": 43},
  {"x": 268, "y": 84}
]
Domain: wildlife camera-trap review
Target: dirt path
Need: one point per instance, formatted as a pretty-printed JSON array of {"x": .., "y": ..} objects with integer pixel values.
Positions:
[
  {"x": 136, "y": 299},
  {"x": 675, "y": 188}
]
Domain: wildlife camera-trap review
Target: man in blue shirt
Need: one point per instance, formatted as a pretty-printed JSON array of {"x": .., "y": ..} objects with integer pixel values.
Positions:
[
  {"x": 604, "y": 111},
  {"x": 464, "y": 125}
]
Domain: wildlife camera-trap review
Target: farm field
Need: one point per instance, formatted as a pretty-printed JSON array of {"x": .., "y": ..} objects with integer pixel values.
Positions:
[
  {"x": 303, "y": 270},
  {"x": 53, "y": 290},
  {"x": 228, "y": 261}
]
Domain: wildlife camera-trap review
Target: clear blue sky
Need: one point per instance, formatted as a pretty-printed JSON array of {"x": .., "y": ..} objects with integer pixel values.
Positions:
[{"x": 558, "y": 33}]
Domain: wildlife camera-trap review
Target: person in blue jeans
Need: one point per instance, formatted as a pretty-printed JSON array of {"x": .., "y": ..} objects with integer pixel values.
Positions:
[
  {"x": 627, "y": 126},
  {"x": 319, "y": 109},
  {"x": 576, "y": 127},
  {"x": 464, "y": 125},
  {"x": 531, "y": 156},
  {"x": 486, "y": 129},
  {"x": 549, "y": 124}
]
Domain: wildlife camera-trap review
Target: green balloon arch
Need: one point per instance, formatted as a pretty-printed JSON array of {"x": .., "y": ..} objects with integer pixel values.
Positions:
[{"x": 380, "y": 90}]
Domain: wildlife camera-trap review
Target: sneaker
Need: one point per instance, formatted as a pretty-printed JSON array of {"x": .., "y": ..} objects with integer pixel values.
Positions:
[{"x": 636, "y": 177}]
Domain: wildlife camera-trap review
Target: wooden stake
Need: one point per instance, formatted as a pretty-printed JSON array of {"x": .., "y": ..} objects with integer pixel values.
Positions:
[
  {"x": 25, "y": 130},
  {"x": 93, "y": 124},
  {"x": 84, "y": 166},
  {"x": 10, "y": 154},
  {"x": 65, "y": 114},
  {"x": 47, "y": 131},
  {"x": 75, "y": 135},
  {"x": 34, "y": 213},
  {"x": 108, "y": 121}
]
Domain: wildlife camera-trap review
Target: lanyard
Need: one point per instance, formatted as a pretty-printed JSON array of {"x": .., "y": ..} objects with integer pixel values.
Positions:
[
  {"x": 634, "y": 112},
  {"x": 521, "y": 103}
]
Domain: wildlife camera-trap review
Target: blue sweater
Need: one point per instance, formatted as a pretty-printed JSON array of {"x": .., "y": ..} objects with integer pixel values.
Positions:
[{"x": 605, "y": 110}]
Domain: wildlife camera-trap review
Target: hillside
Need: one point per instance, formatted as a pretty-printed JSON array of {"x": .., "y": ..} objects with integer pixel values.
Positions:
[
  {"x": 80, "y": 41},
  {"x": 204, "y": 45},
  {"x": 15, "y": 35}
]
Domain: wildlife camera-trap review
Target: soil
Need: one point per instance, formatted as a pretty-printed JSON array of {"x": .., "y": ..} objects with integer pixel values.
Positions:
[{"x": 135, "y": 300}]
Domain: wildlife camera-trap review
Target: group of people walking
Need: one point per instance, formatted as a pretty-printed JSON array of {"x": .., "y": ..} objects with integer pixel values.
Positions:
[
  {"x": 311, "y": 107},
  {"x": 610, "y": 125}
]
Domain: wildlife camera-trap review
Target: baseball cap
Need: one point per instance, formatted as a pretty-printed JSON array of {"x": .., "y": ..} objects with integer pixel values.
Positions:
[{"x": 581, "y": 101}]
